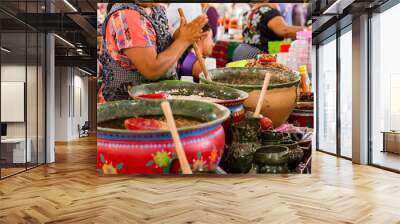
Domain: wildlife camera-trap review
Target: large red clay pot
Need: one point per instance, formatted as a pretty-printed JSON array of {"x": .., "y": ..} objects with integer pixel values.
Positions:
[{"x": 153, "y": 152}]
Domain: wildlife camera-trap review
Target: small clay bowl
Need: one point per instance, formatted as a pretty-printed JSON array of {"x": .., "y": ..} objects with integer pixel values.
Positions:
[
  {"x": 272, "y": 169},
  {"x": 266, "y": 136},
  {"x": 271, "y": 155},
  {"x": 290, "y": 144}
]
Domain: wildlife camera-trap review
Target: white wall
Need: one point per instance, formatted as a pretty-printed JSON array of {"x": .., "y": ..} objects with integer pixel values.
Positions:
[
  {"x": 33, "y": 127},
  {"x": 71, "y": 94},
  {"x": 16, "y": 73}
]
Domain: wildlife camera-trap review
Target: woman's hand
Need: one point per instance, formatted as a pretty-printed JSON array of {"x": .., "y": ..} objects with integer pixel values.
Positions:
[{"x": 191, "y": 32}]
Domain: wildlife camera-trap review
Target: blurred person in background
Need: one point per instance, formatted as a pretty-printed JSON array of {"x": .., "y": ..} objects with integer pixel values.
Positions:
[
  {"x": 286, "y": 10},
  {"x": 213, "y": 17},
  {"x": 264, "y": 23},
  {"x": 189, "y": 65},
  {"x": 300, "y": 14}
]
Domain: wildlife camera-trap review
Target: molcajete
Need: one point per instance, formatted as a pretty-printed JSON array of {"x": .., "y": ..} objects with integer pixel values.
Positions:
[
  {"x": 271, "y": 155},
  {"x": 295, "y": 153},
  {"x": 153, "y": 151},
  {"x": 280, "y": 98},
  {"x": 272, "y": 168},
  {"x": 239, "y": 155}
]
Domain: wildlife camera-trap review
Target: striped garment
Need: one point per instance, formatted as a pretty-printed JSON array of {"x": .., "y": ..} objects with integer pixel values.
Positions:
[{"x": 245, "y": 51}]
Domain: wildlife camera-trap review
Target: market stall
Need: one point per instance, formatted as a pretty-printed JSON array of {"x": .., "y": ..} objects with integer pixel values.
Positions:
[{"x": 247, "y": 116}]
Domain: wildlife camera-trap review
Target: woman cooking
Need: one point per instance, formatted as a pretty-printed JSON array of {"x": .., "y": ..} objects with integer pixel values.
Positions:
[
  {"x": 138, "y": 47},
  {"x": 264, "y": 23}
]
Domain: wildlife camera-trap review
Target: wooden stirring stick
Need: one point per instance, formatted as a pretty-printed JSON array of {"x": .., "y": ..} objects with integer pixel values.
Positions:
[
  {"x": 175, "y": 136},
  {"x": 196, "y": 50},
  {"x": 262, "y": 95}
]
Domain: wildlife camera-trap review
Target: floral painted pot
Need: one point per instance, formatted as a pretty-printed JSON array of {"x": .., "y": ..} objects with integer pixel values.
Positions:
[
  {"x": 153, "y": 152},
  {"x": 280, "y": 98}
]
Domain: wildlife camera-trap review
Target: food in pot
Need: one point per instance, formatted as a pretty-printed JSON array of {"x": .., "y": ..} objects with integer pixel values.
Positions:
[
  {"x": 149, "y": 123},
  {"x": 141, "y": 123},
  {"x": 266, "y": 58},
  {"x": 194, "y": 97},
  {"x": 160, "y": 96},
  {"x": 253, "y": 63},
  {"x": 244, "y": 78}
]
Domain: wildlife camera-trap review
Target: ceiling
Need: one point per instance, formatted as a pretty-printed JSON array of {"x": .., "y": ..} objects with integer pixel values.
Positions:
[
  {"x": 73, "y": 20},
  {"x": 331, "y": 15}
]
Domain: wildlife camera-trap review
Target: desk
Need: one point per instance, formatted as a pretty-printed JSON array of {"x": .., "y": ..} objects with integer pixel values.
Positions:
[
  {"x": 16, "y": 147},
  {"x": 391, "y": 141}
]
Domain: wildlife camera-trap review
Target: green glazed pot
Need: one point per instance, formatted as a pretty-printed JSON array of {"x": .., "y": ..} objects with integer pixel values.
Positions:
[
  {"x": 271, "y": 155},
  {"x": 245, "y": 132},
  {"x": 290, "y": 144},
  {"x": 268, "y": 136},
  {"x": 240, "y": 156},
  {"x": 225, "y": 95},
  {"x": 295, "y": 153},
  {"x": 272, "y": 169}
]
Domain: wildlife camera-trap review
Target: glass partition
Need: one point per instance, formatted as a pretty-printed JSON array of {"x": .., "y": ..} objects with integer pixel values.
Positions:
[
  {"x": 346, "y": 94},
  {"x": 14, "y": 153},
  {"x": 385, "y": 89},
  {"x": 22, "y": 89},
  {"x": 327, "y": 96}
]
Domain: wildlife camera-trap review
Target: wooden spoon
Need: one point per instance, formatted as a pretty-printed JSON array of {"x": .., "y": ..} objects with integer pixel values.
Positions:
[
  {"x": 198, "y": 53},
  {"x": 262, "y": 94},
  {"x": 175, "y": 136}
]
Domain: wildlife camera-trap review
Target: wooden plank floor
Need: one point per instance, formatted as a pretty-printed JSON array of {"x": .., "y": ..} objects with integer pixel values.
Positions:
[{"x": 70, "y": 191}]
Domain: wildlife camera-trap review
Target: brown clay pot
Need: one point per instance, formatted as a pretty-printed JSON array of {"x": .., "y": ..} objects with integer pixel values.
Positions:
[
  {"x": 281, "y": 95},
  {"x": 278, "y": 103}
]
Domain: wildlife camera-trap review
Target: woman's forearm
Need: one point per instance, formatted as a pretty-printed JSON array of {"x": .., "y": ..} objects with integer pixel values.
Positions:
[
  {"x": 152, "y": 65},
  {"x": 168, "y": 58},
  {"x": 290, "y": 31},
  {"x": 279, "y": 26}
]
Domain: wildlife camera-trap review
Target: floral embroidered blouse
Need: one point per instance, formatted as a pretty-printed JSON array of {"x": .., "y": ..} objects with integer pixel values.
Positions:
[
  {"x": 128, "y": 29},
  {"x": 255, "y": 29}
]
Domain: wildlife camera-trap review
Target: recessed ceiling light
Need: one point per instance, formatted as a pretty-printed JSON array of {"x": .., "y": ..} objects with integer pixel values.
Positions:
[
  {"x": 64, "y": 40},
  {"x": 5, "y": 50},
  {"x": 84, "y": 71},
  {"x": 70, "y": 5}
]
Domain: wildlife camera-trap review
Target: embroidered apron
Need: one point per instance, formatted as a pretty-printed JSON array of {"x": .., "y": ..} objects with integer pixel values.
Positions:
[{"x": 118, "y": 80}]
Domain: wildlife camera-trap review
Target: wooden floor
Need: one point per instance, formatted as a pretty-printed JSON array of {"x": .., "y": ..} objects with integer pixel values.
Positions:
[
  {"x": 386, "y": 159},
  {"x": 70, "y": 191}
]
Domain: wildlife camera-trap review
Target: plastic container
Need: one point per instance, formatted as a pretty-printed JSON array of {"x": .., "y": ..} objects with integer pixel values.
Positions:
[
  {"x": 283, "y": 55},
  {"x": 284, "y": 48},
  {"x": 304, "y": 80},
  {"x": 300, "y": 51}
]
